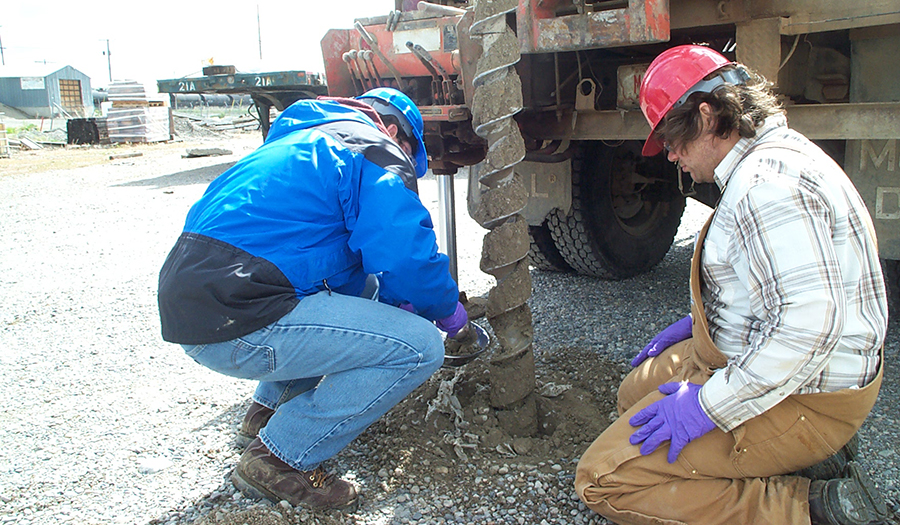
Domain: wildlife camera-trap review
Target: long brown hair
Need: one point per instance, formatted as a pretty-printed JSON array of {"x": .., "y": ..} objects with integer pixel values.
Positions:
[{"x": 740, "y": 108}]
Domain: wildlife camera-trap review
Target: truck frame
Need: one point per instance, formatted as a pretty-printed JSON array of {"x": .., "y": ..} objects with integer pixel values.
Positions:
[
  {"x": 593, "y": 204},
  {"x": 539, "y": 99}
]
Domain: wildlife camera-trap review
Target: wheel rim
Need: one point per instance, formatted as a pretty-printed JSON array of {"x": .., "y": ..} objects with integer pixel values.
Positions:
[{"x": 634, "y": 214}]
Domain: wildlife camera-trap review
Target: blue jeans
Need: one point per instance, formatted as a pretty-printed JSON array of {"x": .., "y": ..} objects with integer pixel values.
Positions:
[{"x": 329, "y": 368}]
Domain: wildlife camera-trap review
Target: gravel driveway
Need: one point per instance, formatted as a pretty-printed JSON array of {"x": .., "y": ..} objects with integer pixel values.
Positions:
[{"x": 102, "y": 422}]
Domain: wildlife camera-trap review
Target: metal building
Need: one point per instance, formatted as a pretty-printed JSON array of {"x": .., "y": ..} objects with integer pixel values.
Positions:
[{"x": 44, "y": 90}]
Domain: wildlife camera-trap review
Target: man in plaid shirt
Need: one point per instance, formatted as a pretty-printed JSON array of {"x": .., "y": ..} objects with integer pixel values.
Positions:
[{"x": 761, "y": 390}]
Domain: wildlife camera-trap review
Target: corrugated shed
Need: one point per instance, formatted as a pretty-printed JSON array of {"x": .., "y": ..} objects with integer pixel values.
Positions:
[{"x": 46, "y": 90}]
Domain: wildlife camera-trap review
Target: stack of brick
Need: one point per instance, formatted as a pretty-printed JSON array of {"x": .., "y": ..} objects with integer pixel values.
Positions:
[{"x": 133, "y": 117}]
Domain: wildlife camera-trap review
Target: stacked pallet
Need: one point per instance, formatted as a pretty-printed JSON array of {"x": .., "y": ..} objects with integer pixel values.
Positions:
[{"x": 133, "y": 117}]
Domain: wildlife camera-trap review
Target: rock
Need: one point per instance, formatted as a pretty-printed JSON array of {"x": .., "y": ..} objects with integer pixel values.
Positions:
[
  {"x": 152, "y": 465},
  {"x": 206, "y": 152},
  {"x": 522, "y": 446}
]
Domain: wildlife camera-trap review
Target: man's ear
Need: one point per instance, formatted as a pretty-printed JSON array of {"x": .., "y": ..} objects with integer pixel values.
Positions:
[
  {"x": 706, "y": 114},
  {"x": 392, "y": 130}
]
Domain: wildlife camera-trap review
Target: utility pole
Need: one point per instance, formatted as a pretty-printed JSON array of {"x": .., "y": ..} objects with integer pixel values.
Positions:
[
  {"x": 259, "y": 31},
  {"x": 2, "y": 58},
  {"x": 108, "y": 60}
]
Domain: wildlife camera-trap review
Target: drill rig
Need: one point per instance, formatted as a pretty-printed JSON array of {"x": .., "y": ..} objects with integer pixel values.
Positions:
[{"x": 539, "y": 99}]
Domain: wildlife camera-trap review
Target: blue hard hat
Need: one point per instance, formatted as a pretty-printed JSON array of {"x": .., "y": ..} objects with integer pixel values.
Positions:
[{"x": 389, "y": 101}]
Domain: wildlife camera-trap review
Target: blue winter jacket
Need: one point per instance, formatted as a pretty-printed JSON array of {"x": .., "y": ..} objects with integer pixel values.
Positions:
[{"x": 326, "y": 200}]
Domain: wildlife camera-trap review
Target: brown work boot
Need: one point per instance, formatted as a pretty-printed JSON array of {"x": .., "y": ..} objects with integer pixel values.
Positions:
[
  {"x": 261, "y": 474},
  {"x": 257, "y": 416},
  {"x": 851, "y": 500}
]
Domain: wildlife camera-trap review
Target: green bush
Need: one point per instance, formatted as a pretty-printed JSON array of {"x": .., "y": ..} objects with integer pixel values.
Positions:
[{"x": 16, "y": 131}]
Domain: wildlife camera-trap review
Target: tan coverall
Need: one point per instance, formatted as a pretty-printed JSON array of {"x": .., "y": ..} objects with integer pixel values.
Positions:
[{"x": 736, "y": 477}]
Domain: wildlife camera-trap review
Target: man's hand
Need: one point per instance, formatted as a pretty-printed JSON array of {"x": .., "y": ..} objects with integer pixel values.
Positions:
[
  {"x": 678, "y": 418},
  {"x": 674, "y": 333},
  {"x": 455, "y": 321}
]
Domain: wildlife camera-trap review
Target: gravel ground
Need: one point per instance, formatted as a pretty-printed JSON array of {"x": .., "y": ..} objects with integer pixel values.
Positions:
[{"x": 103, "y": 422}]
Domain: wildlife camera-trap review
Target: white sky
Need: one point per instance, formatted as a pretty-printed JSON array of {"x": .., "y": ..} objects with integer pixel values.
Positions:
[{"x": 164, "y": 39}]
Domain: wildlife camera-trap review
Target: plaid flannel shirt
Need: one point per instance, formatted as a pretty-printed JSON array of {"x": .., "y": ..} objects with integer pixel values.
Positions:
[{"x": 792, "y": 283}]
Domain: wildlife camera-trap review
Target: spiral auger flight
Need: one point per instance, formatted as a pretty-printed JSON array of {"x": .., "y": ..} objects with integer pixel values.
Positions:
[{"x": 497, "y": 98}]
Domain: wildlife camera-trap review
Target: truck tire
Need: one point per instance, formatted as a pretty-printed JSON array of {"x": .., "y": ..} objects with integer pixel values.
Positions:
[
  {"x": 543, "y": 254},
  {"x": 617, "y": 229}
]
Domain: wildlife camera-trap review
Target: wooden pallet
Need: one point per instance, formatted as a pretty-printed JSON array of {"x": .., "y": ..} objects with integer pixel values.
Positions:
[
  {"x": 139, "y": 124},
  {"x": 119, "y": 104}
]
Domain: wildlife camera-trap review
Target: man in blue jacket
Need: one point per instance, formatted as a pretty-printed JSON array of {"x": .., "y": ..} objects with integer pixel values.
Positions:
[{"x": 273, "y": 278}]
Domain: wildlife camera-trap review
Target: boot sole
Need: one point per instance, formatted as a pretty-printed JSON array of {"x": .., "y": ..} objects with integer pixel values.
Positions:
[
  {"x": 244, "y": 439},
  {"x": 253, "y": 491},
  {"x": 250, "y": 490},
  {"x": 869, "y": 491}
]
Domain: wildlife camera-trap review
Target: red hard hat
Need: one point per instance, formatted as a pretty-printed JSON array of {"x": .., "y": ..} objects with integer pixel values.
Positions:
[{"x": 670, "y": 77}]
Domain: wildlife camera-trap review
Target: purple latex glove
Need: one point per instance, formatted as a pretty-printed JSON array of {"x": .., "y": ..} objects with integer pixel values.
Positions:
[
  {"x": 674, "y": 333},
  {"x": 678, "y": 418},
  {"x": 408, "y": 307},
  {"x": 455, "y": 321}
]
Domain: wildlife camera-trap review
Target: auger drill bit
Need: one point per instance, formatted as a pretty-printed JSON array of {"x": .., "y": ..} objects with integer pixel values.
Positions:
[{"x": 497, "y": 98}]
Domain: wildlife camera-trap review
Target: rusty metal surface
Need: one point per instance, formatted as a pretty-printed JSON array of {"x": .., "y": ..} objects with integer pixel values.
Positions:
[
  {"x": 808, "y": 16},
  {"x": 704, "y": 13},
  {"x": 801, "y": 16},
  {"x": 872, "y": 164},
  {"x": 456, "y": 113},
  {"x": 801, "y": 23},
  {"x": 875, "y": 120},
  {"x": 593, "y": 125},
  {"x": 628, "y": 85},
  {"x": 759, "y": 46},
  {"x": 541, "y": 31},
  {"x": 436, "y": 35}
]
